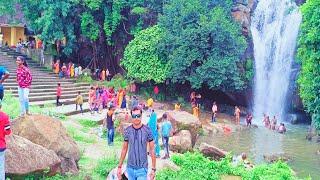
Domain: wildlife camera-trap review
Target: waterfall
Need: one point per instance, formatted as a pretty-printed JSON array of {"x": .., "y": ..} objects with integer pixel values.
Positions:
[{"x": 275, "y": 26}]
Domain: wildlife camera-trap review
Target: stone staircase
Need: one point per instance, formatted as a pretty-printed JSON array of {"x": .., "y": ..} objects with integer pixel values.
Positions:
[{"x": 44, "y": 84}]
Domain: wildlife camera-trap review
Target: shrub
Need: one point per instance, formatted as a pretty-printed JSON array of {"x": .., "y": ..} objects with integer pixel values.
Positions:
[
  {"x": 88, "y": 123},
  {"x": 195, "y": 166}
]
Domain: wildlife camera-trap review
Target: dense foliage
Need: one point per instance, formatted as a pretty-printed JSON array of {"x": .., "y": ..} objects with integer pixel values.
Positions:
[
  {"x": 203, "y": 43},
  {"x": 309, "y": 56},
  {"x": 142, "y": 60},
  {"x": 195, "y": 166},
  {"x": 95, "y": 31},
  {"x": 195, "y": 42}
]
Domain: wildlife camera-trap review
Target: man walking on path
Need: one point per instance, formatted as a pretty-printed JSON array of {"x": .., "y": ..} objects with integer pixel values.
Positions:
[
  {"x": 4, "y": 74},
  {"x": 109, "y": 123},
  {"x": 136, "y": 138},
  {"x": 166, "y": 129},
  {"x": 4, "y": 130}
]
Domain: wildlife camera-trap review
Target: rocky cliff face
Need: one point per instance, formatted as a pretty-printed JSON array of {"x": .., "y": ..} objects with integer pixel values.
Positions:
[{"x": 242, "y": 11}]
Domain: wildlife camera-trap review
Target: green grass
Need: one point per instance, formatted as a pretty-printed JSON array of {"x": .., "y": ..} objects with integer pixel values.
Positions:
[
  {"x": 105, "y": 165},
  {"x": 88, "y": 123},
  {"x": 79, "y": 136}
]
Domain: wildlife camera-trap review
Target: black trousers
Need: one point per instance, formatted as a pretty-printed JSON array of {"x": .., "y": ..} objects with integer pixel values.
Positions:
[
  {"x": 58, "y": 102},
  {"x": 1, "y": 94}
]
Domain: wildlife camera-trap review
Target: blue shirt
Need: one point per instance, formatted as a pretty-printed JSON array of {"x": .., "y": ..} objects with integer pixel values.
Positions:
[
  {"x": 166, "y": 128},
  {"x": 3, "y": 71}
]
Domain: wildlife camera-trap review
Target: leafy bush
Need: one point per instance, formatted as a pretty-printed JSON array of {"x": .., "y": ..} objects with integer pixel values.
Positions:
[
  {"x": 117, "y": 81},
  {"x": 195, "y": 166},
  {"x": 105, "y": 165},
  {"x": 85, "y": 79},
  {"x": 308, "y": 54}
]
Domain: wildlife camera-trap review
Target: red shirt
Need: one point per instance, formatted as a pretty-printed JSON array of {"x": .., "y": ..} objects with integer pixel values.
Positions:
[
  {"x": 4, "y": 129},
  {"x": 24, "y": 77},
  {"x": 59, "y": 90},
  {"x": 156, "y": 90}
]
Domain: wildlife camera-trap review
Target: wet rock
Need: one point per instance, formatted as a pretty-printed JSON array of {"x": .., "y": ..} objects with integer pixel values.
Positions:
[
  {"x": 51, "y": 134},
  {"x": 181, "y": 142},
  {"x": 276, "y": 157},
  {"x": 212, "y": 151},
  {"x": 182, "y": 120},
  {"x": 23, "y": 157}
]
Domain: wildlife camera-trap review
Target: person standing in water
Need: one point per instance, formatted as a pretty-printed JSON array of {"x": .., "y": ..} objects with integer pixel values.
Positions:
[
  {"x": 24, "y": 80},
  {"x": 273, "y": 123},
  {"x": 249, "y": 119},
  {"x": 282, "y": 129},
  {"x": 237, "y": 112}
]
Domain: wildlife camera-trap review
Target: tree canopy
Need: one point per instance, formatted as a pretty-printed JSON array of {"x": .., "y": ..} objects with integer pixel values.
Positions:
[
  {"x": 201, "y": 45},
  {"x": 309, "y": 56}
]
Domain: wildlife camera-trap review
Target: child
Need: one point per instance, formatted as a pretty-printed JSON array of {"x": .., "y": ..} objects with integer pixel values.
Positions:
[
  {"x": 58, "y": 94},
  {"x": 79, "y": 101}
]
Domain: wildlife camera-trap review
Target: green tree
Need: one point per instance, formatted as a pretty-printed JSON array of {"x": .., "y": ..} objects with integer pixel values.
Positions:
[
  {"x": 142, "y": 59},
  {"x": 204, "y": 44},
  {"x": 309, "y": 56}
]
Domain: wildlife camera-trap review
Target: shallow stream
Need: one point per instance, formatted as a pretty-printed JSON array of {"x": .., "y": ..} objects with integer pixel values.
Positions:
[{"x": 259, "y": 141}]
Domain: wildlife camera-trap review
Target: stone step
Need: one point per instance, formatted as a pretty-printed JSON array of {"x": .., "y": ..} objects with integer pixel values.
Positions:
[
  {"x": 64, "y": 101},
  {"x": 48, "y": 86},
  {"x": 83, "y": 92},
  {"x": 53, "y": 97},
  {"x": 82, "y": 89},
  {"x": 42, "y": 79},
  {"x": 11, "y": 83}
]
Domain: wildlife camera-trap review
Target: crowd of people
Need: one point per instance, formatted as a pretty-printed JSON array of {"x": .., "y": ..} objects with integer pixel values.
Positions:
[{"x": 66, "y": 71}]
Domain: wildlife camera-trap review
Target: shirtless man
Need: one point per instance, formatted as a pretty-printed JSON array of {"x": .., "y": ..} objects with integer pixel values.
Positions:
[
  {"x": 273, "y": 123},
  {"x": 282, "y": 129},
  {"x": 237, "y": 114}
]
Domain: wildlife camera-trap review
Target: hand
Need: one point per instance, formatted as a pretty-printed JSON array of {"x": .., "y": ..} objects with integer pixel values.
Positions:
[
  {"x": 119, "y": 173},
  {"x": 152, "y": 175}
]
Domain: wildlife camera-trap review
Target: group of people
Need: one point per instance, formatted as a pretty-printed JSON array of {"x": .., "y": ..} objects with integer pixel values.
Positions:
[
  {"x": 66, "y": 71},
  {"x": 102, "y": 74},
  {"x": 272, "y": 124}
]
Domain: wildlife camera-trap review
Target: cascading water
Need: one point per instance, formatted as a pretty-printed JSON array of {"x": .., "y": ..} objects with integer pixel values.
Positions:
[{"x": 275, "y": 26}]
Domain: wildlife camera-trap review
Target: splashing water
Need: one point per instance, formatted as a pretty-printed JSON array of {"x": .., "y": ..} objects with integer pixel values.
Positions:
[{"x": 275, "y": 26}]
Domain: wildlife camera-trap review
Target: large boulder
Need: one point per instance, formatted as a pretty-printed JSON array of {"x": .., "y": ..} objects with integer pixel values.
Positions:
[
  {"x": 182, "y": 120},
  {"x": 212, "y": 151},
  {"x": 181, "y": 142},
  {"x": 51, "y": 134},
  {"x": 23, "y": 157}
]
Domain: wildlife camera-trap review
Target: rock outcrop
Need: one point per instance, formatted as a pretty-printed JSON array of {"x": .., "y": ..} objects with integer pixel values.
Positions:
[
  {"x": 181, "y": 142},
  {"x": 51, "y": 134},
  {"x": 182, "y": 120},
  {"x": 212, "y": 151},
  {"x": 23, "y": 157},
  {"x": 241, "y": 12}
]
